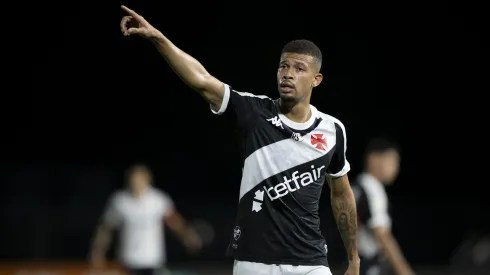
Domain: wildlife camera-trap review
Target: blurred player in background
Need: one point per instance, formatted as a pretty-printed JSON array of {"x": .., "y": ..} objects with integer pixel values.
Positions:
[
  {"x": 139, "y": 211},
  {"x": 378, "y": 248}
]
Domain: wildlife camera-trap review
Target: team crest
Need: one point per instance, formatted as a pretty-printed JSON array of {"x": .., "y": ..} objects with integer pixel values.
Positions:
[
  {"x": 236, "y": 233},
  {"x": 319, "y": 141}
]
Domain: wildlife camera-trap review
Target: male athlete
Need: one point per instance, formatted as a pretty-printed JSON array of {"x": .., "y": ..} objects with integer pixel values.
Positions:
[
  {"x": 288, "y": 149},
  {"x": 378, "y": 248},
  {"x": 139, "y": 211}
]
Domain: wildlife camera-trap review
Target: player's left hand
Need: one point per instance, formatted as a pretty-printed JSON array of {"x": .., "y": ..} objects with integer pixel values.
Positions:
[
  {"x": 353, "y": 269},
  {"x": 97, "y": 260}
]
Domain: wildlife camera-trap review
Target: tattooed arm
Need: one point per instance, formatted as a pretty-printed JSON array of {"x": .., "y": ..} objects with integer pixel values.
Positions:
[{"x": 345, "y": 213}]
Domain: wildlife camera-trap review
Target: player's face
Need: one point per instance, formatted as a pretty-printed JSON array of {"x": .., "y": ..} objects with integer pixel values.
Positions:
[
  {"x": 139, "y": 181},
  {"x": 390, "y": 166},
  {"x": 297, "y": 75}
]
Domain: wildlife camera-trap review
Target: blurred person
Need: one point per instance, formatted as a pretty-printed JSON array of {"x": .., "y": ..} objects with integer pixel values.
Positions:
[
  {"x": 288, "y": 149},
  {"x": 378, "y": 248},
  {"x": 140, "y": 211}
]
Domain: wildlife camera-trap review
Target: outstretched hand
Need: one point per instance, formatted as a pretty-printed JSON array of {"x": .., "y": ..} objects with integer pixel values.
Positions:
[
  {"x": 193, "y": 241},
  {"x": 134, "y": 23}
]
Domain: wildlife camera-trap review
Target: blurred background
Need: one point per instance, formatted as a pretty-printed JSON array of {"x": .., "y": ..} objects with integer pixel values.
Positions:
[{"x": 100, "y": 102}]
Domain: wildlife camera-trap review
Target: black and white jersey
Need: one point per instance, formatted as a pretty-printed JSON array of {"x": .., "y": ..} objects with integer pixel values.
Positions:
[
  {"x": 373, "y": 210},
  {"x": 284, "y": 167}
]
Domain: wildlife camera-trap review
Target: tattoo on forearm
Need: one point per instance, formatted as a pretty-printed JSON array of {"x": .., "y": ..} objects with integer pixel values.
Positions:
[{"x": 344, "y": 209}]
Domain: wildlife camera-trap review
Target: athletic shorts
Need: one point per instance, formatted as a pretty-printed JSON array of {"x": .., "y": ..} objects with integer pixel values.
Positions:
[
  {"x": 249, "y": 268},
  {"x": 141, "y": 271},
  {"x": 146, "y": 271}
]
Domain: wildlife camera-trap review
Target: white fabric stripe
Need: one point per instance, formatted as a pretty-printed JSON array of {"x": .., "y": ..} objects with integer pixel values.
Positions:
[
  {"x": 224, "y": 102},
  {"x": 368, "y": 247},
  {"x": 377, "y": 201},
  {"x": 276, "y": 158},
  {"x": 342, "y": 172},
  {"x": 346, "y": 167},
  {"x": 252, "y": 95},
  {"x": 304, "y": 125}
]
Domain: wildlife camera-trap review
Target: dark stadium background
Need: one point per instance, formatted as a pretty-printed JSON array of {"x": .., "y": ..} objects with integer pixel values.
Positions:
[{"x": 100, "y": 102}]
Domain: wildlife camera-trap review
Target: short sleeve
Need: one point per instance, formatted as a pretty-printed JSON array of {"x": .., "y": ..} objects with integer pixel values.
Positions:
[
  {"x": 378, "y": 206},
  {"x": 166, "y": 204},
  {"x": 339, "y": 165},
  {"x": 112, "y": 214},
  {"x": 240, "y": 104}
]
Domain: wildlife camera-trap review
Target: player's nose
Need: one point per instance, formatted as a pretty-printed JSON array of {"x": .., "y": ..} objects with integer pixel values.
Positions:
[{"x": 288, "y": 75}]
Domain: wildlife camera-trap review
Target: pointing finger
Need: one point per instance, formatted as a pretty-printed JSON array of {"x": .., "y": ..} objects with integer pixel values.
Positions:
[{"x": 129, "y": 11}]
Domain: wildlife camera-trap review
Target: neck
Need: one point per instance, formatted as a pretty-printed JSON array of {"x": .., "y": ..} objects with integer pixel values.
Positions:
[
  {"x": 138, "y": 192},
  {"x": 296, "y": 111},
  {"x": 371, "y": 171}
]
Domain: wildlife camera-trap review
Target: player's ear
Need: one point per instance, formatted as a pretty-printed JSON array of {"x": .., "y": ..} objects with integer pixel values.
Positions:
[{"x": 317, "y": 79}]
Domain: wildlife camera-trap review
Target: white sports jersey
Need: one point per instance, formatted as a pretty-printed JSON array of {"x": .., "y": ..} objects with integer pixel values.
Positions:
[{"x": 142, "y": 230}]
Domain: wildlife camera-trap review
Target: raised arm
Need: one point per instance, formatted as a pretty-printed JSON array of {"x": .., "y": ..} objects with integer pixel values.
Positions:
[
  {"x": 345, "y": 213},
  {"x": 185, "y": 66}
]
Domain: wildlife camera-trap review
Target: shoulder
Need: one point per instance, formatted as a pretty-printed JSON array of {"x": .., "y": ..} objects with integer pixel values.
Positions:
[
  {"x": 118, "y": 197},
  {"x": 372, "y": 187},
  {"x": 229, "y": 89},
  {"x": 251, "y": 97},
  {"x": 331, "y": 121},
  {"x": 160, "y": 195},
  {"x": 242, "y": 102}
]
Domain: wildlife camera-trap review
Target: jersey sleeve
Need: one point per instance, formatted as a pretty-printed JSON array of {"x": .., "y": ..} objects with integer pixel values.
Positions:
[
  {"x": 377, "y": 202},
  {"x": 112, "y": 216},
  {"x": 240, "y": 104},
  {"x": 166, "y": 204},
  {"x": 339, "y": 165}
]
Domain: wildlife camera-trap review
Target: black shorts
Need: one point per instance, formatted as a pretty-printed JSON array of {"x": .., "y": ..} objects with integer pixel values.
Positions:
[
  {"x": 142, "y": 271},
  {"x": 375, "y": 266}
]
